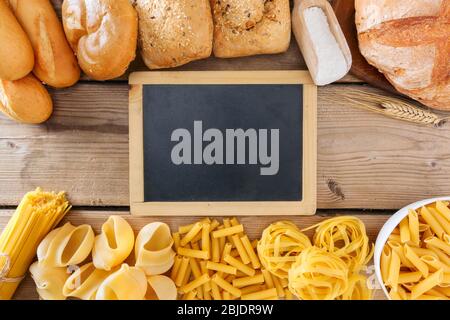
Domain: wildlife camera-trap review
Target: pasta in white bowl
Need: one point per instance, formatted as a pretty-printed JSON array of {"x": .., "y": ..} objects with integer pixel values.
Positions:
[{"x": 411, "y": 258}]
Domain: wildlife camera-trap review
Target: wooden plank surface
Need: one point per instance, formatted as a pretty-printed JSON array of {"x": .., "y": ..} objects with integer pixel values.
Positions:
[
  {"x": 253, "y": 228},
  {"x": 364, "y": 160}
]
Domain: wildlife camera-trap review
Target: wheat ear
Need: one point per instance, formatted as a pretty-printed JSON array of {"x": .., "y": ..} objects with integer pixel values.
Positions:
[{"x": 394, "y": 108}]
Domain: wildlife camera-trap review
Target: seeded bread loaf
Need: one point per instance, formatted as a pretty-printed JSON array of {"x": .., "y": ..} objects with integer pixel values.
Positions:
[
  {"x": 174, "y": 32},
  {"x": 244, "y": 28}
]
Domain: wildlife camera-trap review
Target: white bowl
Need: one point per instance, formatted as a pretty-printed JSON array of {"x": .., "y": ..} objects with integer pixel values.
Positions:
[{"x": 387, "y": 229}]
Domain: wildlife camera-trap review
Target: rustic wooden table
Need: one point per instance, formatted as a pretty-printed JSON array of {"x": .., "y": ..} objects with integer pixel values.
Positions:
[{"x": 368, "y": 165}]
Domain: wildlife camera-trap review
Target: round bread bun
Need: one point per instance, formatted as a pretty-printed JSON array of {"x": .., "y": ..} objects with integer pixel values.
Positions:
[
  {"x": 103, "y": 35},
  {"x": 16, "y": 52},
  {"x": 25, "y": 100}
]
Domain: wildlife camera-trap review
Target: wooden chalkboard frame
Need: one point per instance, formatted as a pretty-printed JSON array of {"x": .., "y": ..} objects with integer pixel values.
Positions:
[{"x": 138, "y": 206}]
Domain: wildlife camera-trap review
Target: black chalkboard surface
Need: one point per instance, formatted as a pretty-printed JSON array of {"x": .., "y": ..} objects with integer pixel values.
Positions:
[
  {"x": 170, "y": 107},
  {"x": 211, "y": 143}
]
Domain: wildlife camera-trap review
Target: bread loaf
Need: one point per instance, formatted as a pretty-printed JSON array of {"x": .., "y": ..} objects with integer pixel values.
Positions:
[
  {"x": 174, "y": 32},
  {"x": 56, "y": 64},
  {"x": 409, "y": 41},
  {"x": 103, "y": 34},
  {"x": 244, "y": 28},
  {"x": 16, "y": 53},
  {"x": 25, "y": 100}
]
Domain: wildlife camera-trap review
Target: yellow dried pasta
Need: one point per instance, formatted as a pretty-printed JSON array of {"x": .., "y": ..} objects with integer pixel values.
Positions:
[
  {"x": 49, "y": 281},
  {"x": 67, "y": 245},
  {"x": 114, "y": 244},
  {"x": 279, "y": 246},
  {"x": 161, "y": 288},
  {"x": 153, "y": 249},
  {"x": 318, "y": 275},
  {"x": 418, "y": 269},
  {"x": 128, "y": 283},
  {"x": 85, "y": 281},
  {"x": 346, "y": 237}
]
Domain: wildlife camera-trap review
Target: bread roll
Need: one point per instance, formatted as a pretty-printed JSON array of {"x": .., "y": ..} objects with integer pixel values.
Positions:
[
  {"x": 174, "y": 32},
  {"x": 25, "y": 100},
  {"x": 56, "y": 64},
  {"x": 103, "y": 34},
  {"x": 244, "y": 28},
  {"x": 16, "y": 53},
  {"x": 409, "y": 41}
]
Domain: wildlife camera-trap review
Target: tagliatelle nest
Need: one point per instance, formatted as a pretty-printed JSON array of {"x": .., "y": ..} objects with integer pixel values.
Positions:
[
  {"x": 346, "y": 237},
  {"x": 279, "y": 247},
  {"x": 318, "y": 275}
]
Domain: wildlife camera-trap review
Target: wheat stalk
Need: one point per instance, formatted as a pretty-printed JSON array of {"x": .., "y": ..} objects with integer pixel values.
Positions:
[{"x": 394, "y": 108}]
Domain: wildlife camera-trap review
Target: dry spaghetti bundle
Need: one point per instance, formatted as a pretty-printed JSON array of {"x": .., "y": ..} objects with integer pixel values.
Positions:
[
  {"x": 279, "y": 247},
  {"x": 38, "y": 213}
]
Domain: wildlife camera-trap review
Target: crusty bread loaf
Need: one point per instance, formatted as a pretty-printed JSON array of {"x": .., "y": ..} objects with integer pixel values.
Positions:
[
  {"x": 16, "y": 53},
  {"x": 244, "y": 28},
  {"x": 25, "y": 100},
  {"x": 174, "y": 32},
  {"x": 409, "y": 41},
  {"x": 103, "y": 34},
  {"x": 55, "y": 64}
]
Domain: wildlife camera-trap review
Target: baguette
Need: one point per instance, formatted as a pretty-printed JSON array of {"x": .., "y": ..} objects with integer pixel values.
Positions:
[
  {"x": 56, "y": 64},
  {"x": 25, "y": 100},
  {"x": 16, "y": 53},
  {"x": 103, "y": 34}
]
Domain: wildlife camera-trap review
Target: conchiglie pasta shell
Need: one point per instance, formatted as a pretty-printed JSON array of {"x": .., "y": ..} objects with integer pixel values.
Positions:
[
  {"x": 161, "y": 288},
  {"x": 49, "y": 281},
  {"x": 84, "y": 282},
  {"x": 153, "y": 249},
  {"x": 128, "y": 283},
  {"x": 66, "y": 246},
  {"x": 114, "y": 244}
]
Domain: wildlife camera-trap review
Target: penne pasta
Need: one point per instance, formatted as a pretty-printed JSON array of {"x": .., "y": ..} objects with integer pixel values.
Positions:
[
  {"x": 405, "y": 235},
  {"x": 409, "y": 277},
  {"x": 399, "y": 250},
  {"x": 443, "y": 222},
  {"x": 438, "y": 243},
  {"x": 432, "y": 222},
  {"x": 413, "y": 226},
  {"x": 427, "y": 284},
  {"x": 394, "y": 271},
  {"x": 415, "y": 260},
  {"x": 443, "y": 210}
]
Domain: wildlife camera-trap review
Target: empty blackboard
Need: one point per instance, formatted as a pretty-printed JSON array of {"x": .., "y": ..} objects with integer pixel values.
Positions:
[{"x": 219, "y": 143}]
